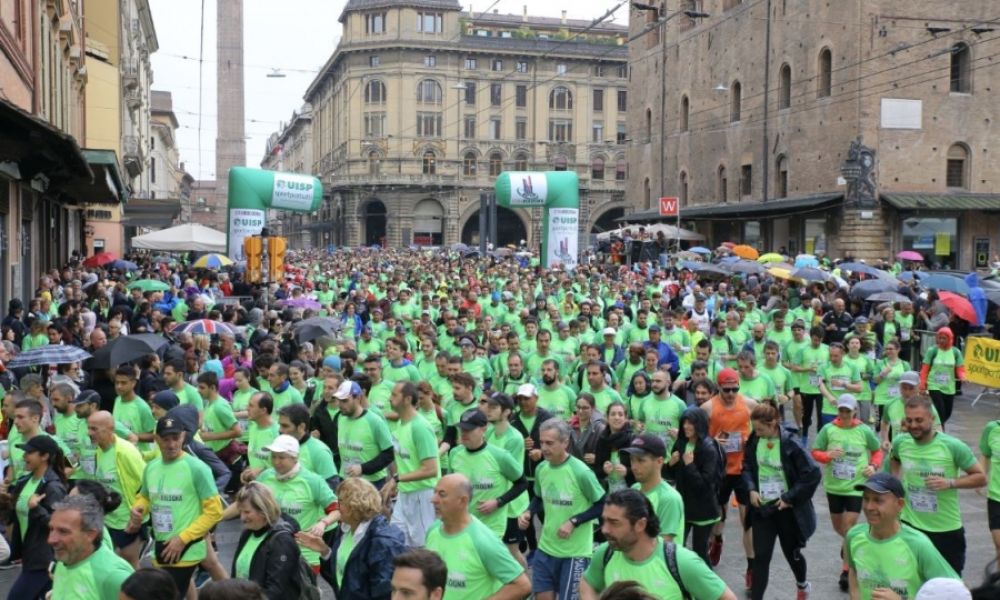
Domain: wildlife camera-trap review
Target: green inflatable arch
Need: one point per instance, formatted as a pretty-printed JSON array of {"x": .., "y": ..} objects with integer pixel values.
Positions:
[
  {"x": 253, "y": 191},
  {"x": 558, "y": 192}
]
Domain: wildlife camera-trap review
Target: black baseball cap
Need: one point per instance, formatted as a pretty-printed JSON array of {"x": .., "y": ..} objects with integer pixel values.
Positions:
[
  {"x": 41, "y": 443},
  {"x": 647, "y": 443},
  {"x": 168, "y": 425},
  {"x": 166, "y": 399},
  {"x": 502, "y": 400},
  {"x": 87, "y": 396},
  {"x": 472, "y": 419},
  {"x": 882, "y": 483}
]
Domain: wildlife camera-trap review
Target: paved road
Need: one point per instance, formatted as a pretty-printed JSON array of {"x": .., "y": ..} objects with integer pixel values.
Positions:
[{"x": 823, "y": 551}]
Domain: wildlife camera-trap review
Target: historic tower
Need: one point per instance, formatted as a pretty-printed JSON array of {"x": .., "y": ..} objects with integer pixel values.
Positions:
[{"x": 230, "y": 141}]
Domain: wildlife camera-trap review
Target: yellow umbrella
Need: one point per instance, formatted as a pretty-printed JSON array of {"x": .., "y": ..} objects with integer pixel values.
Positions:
[
  {"x": 213, "y": 261},
  {"x": 771, "y": 257},
  {"x": 782, "y": 273},
  {"x": 747, "y": 252}
]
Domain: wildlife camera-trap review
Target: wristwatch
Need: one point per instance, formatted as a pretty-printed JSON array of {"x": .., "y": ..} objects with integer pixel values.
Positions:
[{"x": 574, "y": 521}]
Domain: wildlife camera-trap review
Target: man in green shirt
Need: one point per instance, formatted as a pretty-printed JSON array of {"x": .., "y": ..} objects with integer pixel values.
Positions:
[
  {"x": 399, "y": 368},
  {"x": 262, "y": 429},
  {"x": 131, "y": 410},
  {"x": 647, "y": 452},
  {"x": 479, "y": 565},
  {"x": 753, "y": 384},
  {"x": 378, "y": 394},
  {"x": 416, "y": 466},
  {"x": 554, "y": 396},
  {"x": 419, "y": 574},
  {"x": 362, "y": 437},
  {"x": 282, "y": 391},
  {"x": 660, "y": 412},
  {"x": 314, "y": 455},
  {"x": 889, "y": 559},
  {"x": 218, "y": 426},
  {"x": 84, "y": 567},
  {"x": 173, "y": 376}
]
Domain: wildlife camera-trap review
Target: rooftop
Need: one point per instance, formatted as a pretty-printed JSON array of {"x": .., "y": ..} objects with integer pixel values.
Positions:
[{"x": 353, "y": 5}]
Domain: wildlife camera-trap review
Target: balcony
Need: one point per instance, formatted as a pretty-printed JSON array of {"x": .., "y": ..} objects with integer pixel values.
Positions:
[
  {"x": 132, "y": 155},
  {"x": 130, "y": 74},
  {"x": 392, "y": 179}
]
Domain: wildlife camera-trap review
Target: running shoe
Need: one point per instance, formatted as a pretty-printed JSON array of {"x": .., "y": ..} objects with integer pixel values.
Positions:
[
  {"x": 804, "y": 591},
  {"x": 715, "y": 551},
  {"x": 748, "y": 580},
  {"x": 844, "y": 581}
]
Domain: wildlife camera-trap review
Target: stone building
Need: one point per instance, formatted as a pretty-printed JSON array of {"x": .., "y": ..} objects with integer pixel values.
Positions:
[
  {"x": 291, "y": 150},
  {"x": 758, "y": 104},
  {"x": 422, "y": 105}
]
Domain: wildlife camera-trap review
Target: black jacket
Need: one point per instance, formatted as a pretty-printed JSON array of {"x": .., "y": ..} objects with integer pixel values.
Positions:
[
  {"x": 275, "y": 564},
  {"x": 368, "y": 572},
  {"x": 541, "y": 416},
  {"x": 698, "y": 482},
  {"x": 802, "y": 474},
  {"x": 32, "y": 546},
  {"x": 327, "y": 426},
  {"x": 188, "y": 416},
  {"x": 607, "y": 442}
]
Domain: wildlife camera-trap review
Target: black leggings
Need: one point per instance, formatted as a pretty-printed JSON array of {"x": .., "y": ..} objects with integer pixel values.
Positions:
[
  {"x": 699, "y": 535},
  {"x": 809, "y": 401},
  {"x": 181, "y": 577},
  {"x": 944, "y": 404},
  {"x": 779, "y": 524}
]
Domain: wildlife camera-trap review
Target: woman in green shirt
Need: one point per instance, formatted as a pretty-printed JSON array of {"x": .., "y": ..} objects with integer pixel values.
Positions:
[
  {"x": 266, "y": 552},
  {"x": 245, "y": 388}
]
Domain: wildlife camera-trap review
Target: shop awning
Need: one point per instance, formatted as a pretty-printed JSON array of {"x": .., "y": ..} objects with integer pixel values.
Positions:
[
  {"x": 949, "y": 201},
  {"x": 151, "y": 213},
  {"x": 107, "y": 187},
  {"x": 38, "y": 148},
  {"x": 730, "y": 210}
]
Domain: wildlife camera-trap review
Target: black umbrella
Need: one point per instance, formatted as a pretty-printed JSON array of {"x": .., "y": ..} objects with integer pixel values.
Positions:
[
  {"x": 867, "y": 288},
  {"x": 125, "y": 349},
  {"x": 750, "y": 267},
  {"x": 316, "y": 327}
]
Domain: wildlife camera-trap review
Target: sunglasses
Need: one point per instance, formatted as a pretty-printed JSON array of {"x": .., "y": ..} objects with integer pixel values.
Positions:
[{"x": 730, "y": 390}]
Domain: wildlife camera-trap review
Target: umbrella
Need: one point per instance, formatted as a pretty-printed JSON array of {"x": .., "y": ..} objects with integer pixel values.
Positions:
[
  {"x": 887, "y": 297},
  {"x": 863, "y": 289},
  {"x": 704, "y": 268},
  {"x": 959, "y": 306},
  {"x": 746, "y": 266},
  {"x": 99, "y": 260},
  {"x": 854, "y": 267},
  {"x": 747, "y": 252},
  {"x": 204, "y": 327},
  {"x": 910, "y": 275},
  {"x": 812, "y": 274},
  {"x": 316, "y": 327},
  {"x": 946, "y": 283},
  {"x": 212, "y": 261},
  {"x": 149, "y": 285},
  {"x": 164, "y": 259},
  {"x": 688, "y": 255},
  {"x": 910, "y": 255},
  {"x": 699, "y": 250},
  {"x": 124, "y": 265},
  {"x": 459, "y": 247},
  {"x": 728, "y": 260},
  {"x": 771, "y": 257},
  {"x": 782, "y": 273},
  {"x": 125, "y": 349},
  {"x": 806, "y": 260},
  {"x": 51, "y": 354},
  {"x": 303, "y": 302}
]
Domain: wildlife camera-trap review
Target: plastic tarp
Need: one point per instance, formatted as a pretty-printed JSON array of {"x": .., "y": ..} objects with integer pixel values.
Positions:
[
  {"x": 183, "y": 238},
  {"x": 670, "y": 231}
]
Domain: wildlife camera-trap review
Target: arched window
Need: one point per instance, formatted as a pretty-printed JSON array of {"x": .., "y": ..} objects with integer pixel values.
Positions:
[
  {"x": 597, "y": 169},
  {"x": 469, "y": 164},
  {"x": 430, "y": 163},
  {"x": 520, "y": 161},
  {"x": 685, "y": 112},
  {"x": 559, "y": 164},
  {"x": 781, "y": 177},
  {"x": 961, "y": 73},
  {"x": 560, "y": 98},
  {"x": 735, "y": 102},
  {"x": 682, "y": 194},
  {"x": 496, "y": 163},
  {"x": 958, "y": 167},
  {"x": 374, "y": 163},
  {"x": 723, "y": 184},
  {"x": 429, "y": 92},
  {"x": 621, "y": 170},
  {"x": 375, "y": 92},
  {"x": 785, "y": 87},
  {"x": 649, "y": 123},
  {"x": 647, "y": 192},
  {"x": 824, "y": 74}
]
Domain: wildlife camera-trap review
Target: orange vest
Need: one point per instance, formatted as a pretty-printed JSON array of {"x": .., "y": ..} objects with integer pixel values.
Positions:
[{"x": 728, "y": 424}]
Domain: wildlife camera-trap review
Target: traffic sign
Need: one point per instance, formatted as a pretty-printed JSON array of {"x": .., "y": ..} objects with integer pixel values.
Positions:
[{"x": 668, "y": 206}]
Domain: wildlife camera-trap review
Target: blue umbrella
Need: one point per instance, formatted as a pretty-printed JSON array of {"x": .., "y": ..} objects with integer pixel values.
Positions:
[
  {"x": 868, "y": 288},
  {"x": 946, "y": 283},
  {"x": 124, "y": 265},
  {"x": 728, "y": 260},
  {"x": 812, "y": 274},
  {"x": 910, "y": 275},
  {"x": 51, "y": 354},
  {"x": 806, "y": 260},
  {"x": 700, "y": 250},
  {"x": 855, "y": 267}
]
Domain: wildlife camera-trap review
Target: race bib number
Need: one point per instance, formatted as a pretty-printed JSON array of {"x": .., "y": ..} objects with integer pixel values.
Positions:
[
  {"x": 733, "y": 442},
  {"x": 941, "y": 378},
  {"x": 243, "y": 425},
  {"x": 844, "y": 470},
  {"x": 904, "y": 335},
  {"x": 838, "y": 383},
  {"x": 771, "y": 489},
  {"x": 88, "y": 464},
  {"x": 814, "y": 380},
  {"x": 163, "y": 520},
  {"x": 894, "y": 391},
  {"x": 922, "y": 500}
]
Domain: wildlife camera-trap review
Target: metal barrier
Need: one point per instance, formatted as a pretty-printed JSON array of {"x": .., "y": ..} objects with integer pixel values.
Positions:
[{"x": 233, "y": 300}]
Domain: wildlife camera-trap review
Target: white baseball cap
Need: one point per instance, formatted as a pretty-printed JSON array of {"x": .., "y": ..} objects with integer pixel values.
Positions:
[
  {"x": 847, "y": 401},
  {"x": 941, "y": 588},
  {"x": 284, "y": 444},
  {"x": 347, "y": 389},
  {"x": 609, "y": 331},
  {"x": 526, "y": 390}
]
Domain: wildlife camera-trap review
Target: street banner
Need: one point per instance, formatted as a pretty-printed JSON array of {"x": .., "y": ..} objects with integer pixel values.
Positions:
[{"x": 982, "y": 361}]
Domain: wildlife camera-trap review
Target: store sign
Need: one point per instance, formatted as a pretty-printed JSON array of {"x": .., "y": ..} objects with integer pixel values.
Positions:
[
  {"x": 668, "y": 206},
  {"x": 528, "y": 189},
  {"x": 981, "y": 252}
]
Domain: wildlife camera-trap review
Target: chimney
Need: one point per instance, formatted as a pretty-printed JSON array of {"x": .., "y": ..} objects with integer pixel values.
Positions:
[
  {"x": 524, "y": 18},
  {"x": 563, "y": 17}
]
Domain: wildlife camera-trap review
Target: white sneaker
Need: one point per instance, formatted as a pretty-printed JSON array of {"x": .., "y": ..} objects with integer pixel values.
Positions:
[{"x": 803, "y": 592}]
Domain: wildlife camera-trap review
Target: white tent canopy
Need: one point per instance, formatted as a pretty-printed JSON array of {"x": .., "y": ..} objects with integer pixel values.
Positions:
[
  {"x": 183, "y": 238},
  {"x": 670, "y": 231}
]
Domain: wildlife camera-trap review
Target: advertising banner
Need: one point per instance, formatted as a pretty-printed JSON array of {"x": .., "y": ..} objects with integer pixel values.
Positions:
[
  {"x": 982, "y": 361},
  {"x": 528, "y": 189},
  {"x": 292, "y": 192},
  {"x": 243, "y": 222},
  {"x": 561, "y": 236}
]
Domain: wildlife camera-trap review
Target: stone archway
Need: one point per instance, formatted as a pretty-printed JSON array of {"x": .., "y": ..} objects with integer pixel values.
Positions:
[
  {"x": 511, "y": 228},
  {"x": 606, "y": 220},
  {"x": 374, "y": 217},
  {"x": 428, "y": 223}
]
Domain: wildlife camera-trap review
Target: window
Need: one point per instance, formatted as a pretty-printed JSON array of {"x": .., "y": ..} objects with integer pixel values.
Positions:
[
  {"x": 781, "y": 177},
  {"x": 746, "y": 180},
  {"x": 496, "y": 164},
  {"x": 520, "y": 162},
  {"x": 374, "y": 163},
  {"x": 824, "y": 74},
  {"x": 958, "y": 167},
  {"x": 785, "y": 87},
  {"x": 375, "y": 22},
  {"x": 373, "y": 61},
  {"x": 620, "y": 135},
  {"x": 470, "y": 64},
  {"x": 430, "y": 22},
  {"x": 647, "y": 192},
  {"x": 374, "y": 124},
  {"x": 521, "y": 66},
  {"x": 685, "y": 112},
  {"x": 469, "y": 129},
  {"x": 495, "y": 128},
  {"x": 521, "y": 96},
  {"x": 560, "y": 98},
  {"x": 621, "y": 169},
  {"x": 598, "y": 70},
  {"x": 469, "y": 164},
  {"x": 430, "y": 163},
  {"x": 623, "y": 71},
  {"x": 483, "y": 32},
  {"x": 496, "y": 94},
  {"x": 598, "y": 100},
  {"x": 723, "y": 184},
  {"x": 649, "y": 124},
  {"x": 430, "y": 61},
  {"x": 429, "y": 92},
  {"x": 152, "y": 167},
  {"x": 506, "y": 34},
  {"x": 521, "y": 129},
  {"x": 597, "y": 169},
  {"x": 961, "y": 77},
  {"x": 923, "y": 235},
  {"x": 375, "y": 92},
  {"x": 428, "y": 124},
  {"x": 682, "y": 193},
  {"x": 561, "y": 69},
  {"x": 560, "y": 130},
  {"x": 652, "y": 35},
  {"x": 470, "y": 93},
  {"x": 598, "y": 132},
  {"x": 622, "y": 101},
  {"x": 735, "y": 102},
  {"x": 559, "y": 164},
  {"x": 497, "y": 65}
]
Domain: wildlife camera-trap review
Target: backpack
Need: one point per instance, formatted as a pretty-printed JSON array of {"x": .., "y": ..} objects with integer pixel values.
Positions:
[
  {"x": 721, "y": 475},
  {"x": 669, "y": 556}
]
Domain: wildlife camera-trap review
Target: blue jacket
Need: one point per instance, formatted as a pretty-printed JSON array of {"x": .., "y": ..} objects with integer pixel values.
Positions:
[
  {"x": 368, "y": 572},
  {"x": 977, "y": 297},
  {"x": 667, "y": 357}
]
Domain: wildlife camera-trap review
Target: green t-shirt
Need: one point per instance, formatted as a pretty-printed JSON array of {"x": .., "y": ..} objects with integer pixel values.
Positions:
[
  {"x": 895, "y": 411},
  {"x": 560, "y": 402},
  {"x": 413, "y": 442},
  {"x": 137, "y": 416},
  {"x": 259, "y": 438},
  {"x": 760, "y": 388},
  {"x": 218, "y": 417},
  {"x": 661, "y": 415},
  {"x": 789, "y": 356},
  {"x": 404, "y": 372},
  {"x": 604, "y": 399},
  {"x": 188, "y": 394},
  {"x": 317, "y": 457},
  {"x": 989, "y": 446},
  {"x": 887, "y": 389},
  {"x": 107, "y": 473},
  {"x": 512, "y": 442},
  {"x": 245, "y": 557},
  {"x": 566, "y": 490},
  {"x": 361, "y": 440},
  {"x": 866, "y": 369},
  {"x": 68, "y": 430},
  {"x": 289, "y": 395},
  {"x": 21, "y": 507},
  {"x": 343, "y": 553},
  {"x": 858, "y": 443},
  {"x": 780, "y": 376},
  {"x": 479, "y": 563},
  {"x": 176, "y": 491},
  {"x": 836, "y": 380},
  {"x": 942, "y": 369},
  {"x": 811, "y": 357},
  {"x": 902, "y": 563},
  {"x": 771, "y": 480},
  {"x": 241, "y": 400},
  {"x": 944, "y": 456},
  {"x": 304, "y": 497},
  {"x": 669, "y": 507},
  {"x": 492, "y": 471},
  {"x": 97, "y": 577},
  {"x": 653, "y": 574}
]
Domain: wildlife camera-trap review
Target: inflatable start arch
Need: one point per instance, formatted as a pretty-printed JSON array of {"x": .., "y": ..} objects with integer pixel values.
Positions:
[
  {"x": 253, "y": 191},
  {"x": 558, "y": 192}
]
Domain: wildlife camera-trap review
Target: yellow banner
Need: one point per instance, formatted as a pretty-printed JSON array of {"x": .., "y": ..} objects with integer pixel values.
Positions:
[
  {"x": 942, "y": 244},
  {"x": 982, "y": 361}
]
